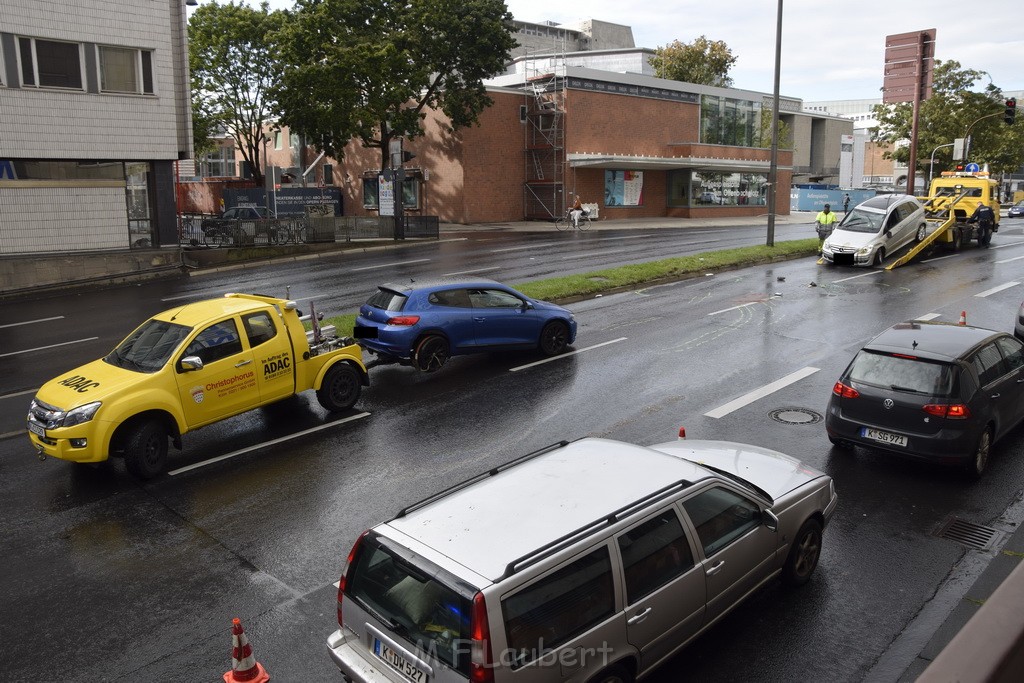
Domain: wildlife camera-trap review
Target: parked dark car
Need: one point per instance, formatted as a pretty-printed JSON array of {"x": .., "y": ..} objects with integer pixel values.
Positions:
[
  {"x": 1016, "y": 211},
  {"x": 229, "y": 219},
  {"x": 931, "y": 390},
  {"x": 424, "y": 323}
]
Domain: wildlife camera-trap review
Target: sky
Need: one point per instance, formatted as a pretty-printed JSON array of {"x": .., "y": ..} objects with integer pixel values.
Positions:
[{"x": 831, "y": 49}]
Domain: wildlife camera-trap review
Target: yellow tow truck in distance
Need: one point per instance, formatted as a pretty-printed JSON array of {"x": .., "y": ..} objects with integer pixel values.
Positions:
[
  {"x": 186, "y": 368},
  {"x": 952, "y": 199}
]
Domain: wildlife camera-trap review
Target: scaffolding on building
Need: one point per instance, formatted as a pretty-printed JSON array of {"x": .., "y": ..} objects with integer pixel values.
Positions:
[{"x": 544, "y": 119}]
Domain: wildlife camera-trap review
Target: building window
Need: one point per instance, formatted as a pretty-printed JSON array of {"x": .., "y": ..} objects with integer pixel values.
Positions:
[
  {"x": 50, "y": 64},
  {"x": 278, "y": 139},
  {"x": 125, "y": 70},
  {"x": 410, "y": 193},
  {"x": 727, "y": 121},
  {"x": 219, "y": 163}
]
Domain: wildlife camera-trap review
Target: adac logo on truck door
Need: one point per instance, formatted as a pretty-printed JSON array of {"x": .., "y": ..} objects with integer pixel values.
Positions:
[
  {"x": 78, "y": 383},
  {"x": 276, "y": 365}
]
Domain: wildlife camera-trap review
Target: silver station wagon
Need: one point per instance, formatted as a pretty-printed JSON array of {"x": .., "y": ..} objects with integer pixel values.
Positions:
[{"x": 591, "y": 560}]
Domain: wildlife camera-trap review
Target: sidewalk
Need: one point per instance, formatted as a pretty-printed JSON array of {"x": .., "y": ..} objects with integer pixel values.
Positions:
[
  {"x": 991, "y": 648},
  {"x": 796, "y": 217}
]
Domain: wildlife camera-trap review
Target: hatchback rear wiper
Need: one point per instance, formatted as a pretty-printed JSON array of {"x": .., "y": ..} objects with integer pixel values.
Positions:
[{"x": 897, "y": 387}]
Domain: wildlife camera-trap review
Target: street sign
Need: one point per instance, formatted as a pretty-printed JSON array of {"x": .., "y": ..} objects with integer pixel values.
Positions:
[
  {"x": 972, "y": 167},
  {"x": 909, "y": 58}
]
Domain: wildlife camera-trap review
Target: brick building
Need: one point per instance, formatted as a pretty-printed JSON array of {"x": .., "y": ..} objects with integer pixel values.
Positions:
[{"x": 634, "y": 145}]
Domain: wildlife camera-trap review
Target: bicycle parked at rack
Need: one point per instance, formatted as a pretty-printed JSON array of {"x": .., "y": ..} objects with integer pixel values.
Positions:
[
  {"x": 287, "y": 231},
  {"x": 566, "y": 222}
]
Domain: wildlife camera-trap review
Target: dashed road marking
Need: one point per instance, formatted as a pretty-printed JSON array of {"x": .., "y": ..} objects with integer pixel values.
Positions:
[
  {"x": 32, "y": 322},
  {"x": 256, "y": 447},
  {"x": 995, "y": 290},
  {"x": 566, "y": 355},
  {"x": 757, "y": 394},
  {"x": 49, "y": 346}
]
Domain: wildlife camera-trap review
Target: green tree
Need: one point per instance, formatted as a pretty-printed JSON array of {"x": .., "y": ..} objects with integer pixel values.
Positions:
[
  {"x": 368, "y": 69},
  {"x": 957, "y": 104},
  {"x": 231, "y": 58},
  {"x": 703, "y": 61}
]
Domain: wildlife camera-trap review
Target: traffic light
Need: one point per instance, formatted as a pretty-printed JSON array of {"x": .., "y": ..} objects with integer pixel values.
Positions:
[
  {"x": 1011, "y": 110},
  {"x": 406, "y": 156}
]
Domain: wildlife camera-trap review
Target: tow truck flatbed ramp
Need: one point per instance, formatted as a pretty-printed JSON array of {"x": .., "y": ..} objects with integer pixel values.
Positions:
[{"x": 941, "y": 218}]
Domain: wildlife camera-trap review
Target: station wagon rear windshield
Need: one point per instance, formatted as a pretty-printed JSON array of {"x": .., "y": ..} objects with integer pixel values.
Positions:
[
  {"x": 416, "y": 602},
  {"x": 914, "y": 375},
  {"x": 148, "y": 348},
  {"x": 387, "y": 300}
]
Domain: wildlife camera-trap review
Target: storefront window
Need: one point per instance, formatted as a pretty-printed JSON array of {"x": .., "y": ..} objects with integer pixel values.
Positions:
[
  {"x": 728, "y": 189},
  {"x": 623, "y": 188}
]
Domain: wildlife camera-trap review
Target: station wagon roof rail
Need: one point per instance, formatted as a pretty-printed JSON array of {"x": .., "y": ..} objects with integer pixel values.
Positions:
[{"x": 554, "y": 546}]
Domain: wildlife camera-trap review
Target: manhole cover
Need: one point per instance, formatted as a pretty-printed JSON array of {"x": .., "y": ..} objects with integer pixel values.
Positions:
[
  {"x": 795, "y": 416},
  {"x": 969, "y": 534}
]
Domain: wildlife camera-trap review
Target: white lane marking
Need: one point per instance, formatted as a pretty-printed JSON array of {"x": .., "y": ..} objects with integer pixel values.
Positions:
[
  {"x": 31, "y": 322},
  {"x": 566, "y": 355},
  {"x": 470, "y": 272},
  {"x": 593, "y": 253},
  {"x": 939, "y": 258},
  {"x": 529, "y": 246},
  {"x": 854, "y": 277},
  {"x": 994, "y": 290},
  {"x": 49, "y": 346},
  {"x": 181, "y": 296},
  {"x": 1007, "y": 260},
  {"x": 749, "y": 303},
  {"x": 928, "y": 316},
  {"x": 258, "y": 446},
  {"x": 18, "y": 393},
  {"x": 390, "y": 265},
  {"x": 757, "y": 394},
  {"x": 1015, "y": 243},
  {"x": 625, "y": 237}
]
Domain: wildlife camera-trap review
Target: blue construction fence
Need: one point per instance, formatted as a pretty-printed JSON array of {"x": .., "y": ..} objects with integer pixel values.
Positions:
[{"x": 815, "y": 199}]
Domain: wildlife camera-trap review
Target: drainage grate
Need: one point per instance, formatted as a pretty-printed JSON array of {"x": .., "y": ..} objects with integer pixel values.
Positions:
[
  {"x": 795, "y": 416},
  {"x": 970, "y": 534}
]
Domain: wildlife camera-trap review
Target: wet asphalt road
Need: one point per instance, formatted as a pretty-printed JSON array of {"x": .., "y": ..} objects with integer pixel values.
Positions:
[{"x": 109, "y": 579}]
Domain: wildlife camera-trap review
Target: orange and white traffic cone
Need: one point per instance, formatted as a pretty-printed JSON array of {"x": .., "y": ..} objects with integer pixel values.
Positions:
[
  {"x": 963, "y": 317},
  {"x": 244, "y": 667}
]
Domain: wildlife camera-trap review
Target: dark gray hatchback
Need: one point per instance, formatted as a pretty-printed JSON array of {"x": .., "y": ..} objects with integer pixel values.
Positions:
[{"x": 930, "y": 390}]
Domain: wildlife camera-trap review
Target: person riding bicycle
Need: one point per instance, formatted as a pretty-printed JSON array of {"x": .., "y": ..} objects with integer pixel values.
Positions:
[{"x": 576, "y": 212}]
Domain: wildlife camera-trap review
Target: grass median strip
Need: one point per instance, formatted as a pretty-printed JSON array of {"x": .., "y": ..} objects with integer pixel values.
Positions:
[{"x": 568, "y": 287}]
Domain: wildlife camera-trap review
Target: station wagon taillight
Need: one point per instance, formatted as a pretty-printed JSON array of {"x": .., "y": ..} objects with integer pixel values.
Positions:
[
  {"x": 404, "y": 320},
  {"x": 349, "y": 563},
  {"x": 480, "y": 669},
  {"x": 954, "y": 411},
  {"x": 844, "y": 391}
]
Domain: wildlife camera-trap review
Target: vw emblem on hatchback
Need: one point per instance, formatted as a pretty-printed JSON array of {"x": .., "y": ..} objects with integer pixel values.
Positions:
[{"x": 887, "y": 403}]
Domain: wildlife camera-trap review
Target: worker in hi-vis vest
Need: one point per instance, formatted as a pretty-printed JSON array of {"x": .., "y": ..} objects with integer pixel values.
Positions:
[{"x": 825, "y": 221}]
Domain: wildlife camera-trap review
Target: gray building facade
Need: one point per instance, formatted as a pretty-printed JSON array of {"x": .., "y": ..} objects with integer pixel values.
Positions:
[{"x": 94, "y": 114}]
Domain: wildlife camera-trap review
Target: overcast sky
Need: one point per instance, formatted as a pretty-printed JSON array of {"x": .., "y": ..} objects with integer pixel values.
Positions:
[{"x": 831, "y": 49}]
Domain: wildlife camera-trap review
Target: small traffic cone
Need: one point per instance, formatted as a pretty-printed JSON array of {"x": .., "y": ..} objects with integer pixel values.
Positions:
[
  {"x": 244, "y": 667},
  {"x": 963, "y": 317}
]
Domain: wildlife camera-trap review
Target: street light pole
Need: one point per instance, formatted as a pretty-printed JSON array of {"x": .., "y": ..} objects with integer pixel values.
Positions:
[
  {"x": 773, "y": 168},
  {"x": 967, "y": 135},
  {"x": 931, "y": 165}
]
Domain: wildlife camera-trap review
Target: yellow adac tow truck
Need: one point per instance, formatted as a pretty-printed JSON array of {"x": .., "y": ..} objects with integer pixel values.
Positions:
[
  {"x": 951, "y": 200},
  {"x": 186, "y": 368}
]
